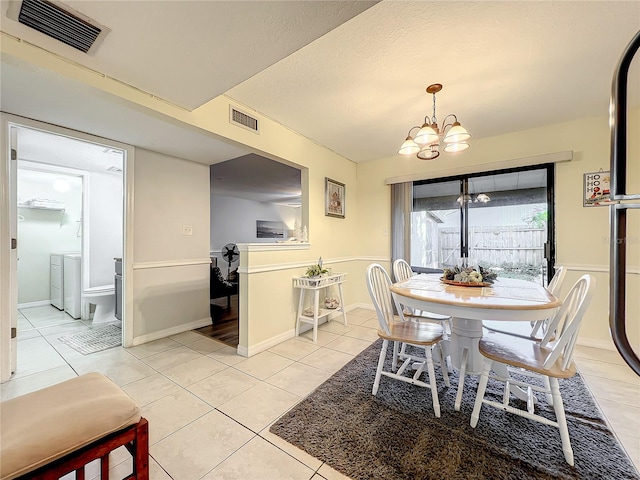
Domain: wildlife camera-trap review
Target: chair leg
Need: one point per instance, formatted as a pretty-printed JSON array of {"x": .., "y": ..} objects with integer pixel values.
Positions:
[
  {"x": 383, "y": 354},
  {"x": 396, "y": 350},
  {"x": 547, "y": 385},
  {"x": 535, "y": 327},
  {"x": 463, "y": 371},
  {"x": 445, "y": 345},
  {"x": 432, "y": 381},
  {"x": 482, "y": 387},
  {"x": 444, "y": 366},
  {"x": 562, "y": 420}
]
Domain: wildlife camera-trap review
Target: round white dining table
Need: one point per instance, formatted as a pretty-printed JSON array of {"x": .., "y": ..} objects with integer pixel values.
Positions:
[{"x": 505, "y": 300}]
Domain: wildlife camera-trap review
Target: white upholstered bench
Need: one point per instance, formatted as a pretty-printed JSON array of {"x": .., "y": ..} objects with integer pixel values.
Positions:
[{"x": 51, "y": 432}]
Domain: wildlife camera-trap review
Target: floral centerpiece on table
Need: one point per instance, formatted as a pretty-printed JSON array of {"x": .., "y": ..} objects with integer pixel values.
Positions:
[{"x": 469, "y": 275}]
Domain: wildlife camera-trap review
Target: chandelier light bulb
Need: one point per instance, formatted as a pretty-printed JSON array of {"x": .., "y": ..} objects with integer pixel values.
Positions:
[
  {"x": 457, "y": 133},
  {"x": 427, "y": 135},
  {"x": 456, "y": 147},
  {"x": 409, "y": 147}
]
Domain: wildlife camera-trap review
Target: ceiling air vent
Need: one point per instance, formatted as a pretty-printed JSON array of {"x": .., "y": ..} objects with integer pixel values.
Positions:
[
  {"x": 60, "y": 22},
  {"x": 243, "y": 120}
]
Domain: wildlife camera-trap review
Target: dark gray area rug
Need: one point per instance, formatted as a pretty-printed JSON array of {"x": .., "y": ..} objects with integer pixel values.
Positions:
[{"x": 395, "y": 434}]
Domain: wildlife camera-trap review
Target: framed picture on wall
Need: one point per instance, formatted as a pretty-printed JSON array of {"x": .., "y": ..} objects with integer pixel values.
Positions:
[
  {"x": 334, "y": 193},
  {"x": 269, "y": 229},
  {"x": 596, "y": 189}
]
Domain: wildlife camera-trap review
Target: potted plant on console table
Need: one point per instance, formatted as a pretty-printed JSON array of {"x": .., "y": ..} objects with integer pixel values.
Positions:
[{"x": 315, "y": 272}]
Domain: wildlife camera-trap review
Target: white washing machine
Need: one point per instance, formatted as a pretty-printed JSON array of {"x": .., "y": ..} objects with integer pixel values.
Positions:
[
  {"x": 72, "y": 285},
  {"x": 56, "y": 281}
]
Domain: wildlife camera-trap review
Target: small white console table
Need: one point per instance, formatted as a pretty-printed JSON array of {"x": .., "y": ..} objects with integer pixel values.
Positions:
[{"x": 308, "y": 284}]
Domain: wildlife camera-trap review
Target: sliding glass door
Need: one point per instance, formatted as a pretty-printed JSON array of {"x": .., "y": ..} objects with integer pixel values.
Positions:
[{"x": 501, "y": 220}]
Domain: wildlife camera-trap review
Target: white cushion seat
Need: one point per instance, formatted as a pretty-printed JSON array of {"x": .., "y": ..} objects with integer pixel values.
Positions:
[{"x": 43, "y": 426}]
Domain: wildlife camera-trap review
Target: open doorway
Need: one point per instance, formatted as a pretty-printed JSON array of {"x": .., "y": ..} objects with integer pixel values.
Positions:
[
  {"x": 254, "y": 200},
  {"x": 68, "y": 197}
]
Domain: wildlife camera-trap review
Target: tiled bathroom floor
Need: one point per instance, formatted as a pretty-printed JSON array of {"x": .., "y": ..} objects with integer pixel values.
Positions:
[{"x": 209, "y": 410}]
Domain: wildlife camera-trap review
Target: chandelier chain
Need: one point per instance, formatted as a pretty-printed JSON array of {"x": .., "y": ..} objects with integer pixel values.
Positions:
[{"x": 434, "y": 119}]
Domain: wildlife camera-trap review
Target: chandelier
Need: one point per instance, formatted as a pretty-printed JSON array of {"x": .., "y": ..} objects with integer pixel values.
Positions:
[
  {"x": 481, "y": 198},
  {"x": 426, "y": 143}
]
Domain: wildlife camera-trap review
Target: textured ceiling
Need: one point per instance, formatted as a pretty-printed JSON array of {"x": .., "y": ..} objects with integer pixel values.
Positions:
[
  {"x": 505, "y": 66},
  {"x": 42, "y": 95},
  {"x": 188, "y": 52}
]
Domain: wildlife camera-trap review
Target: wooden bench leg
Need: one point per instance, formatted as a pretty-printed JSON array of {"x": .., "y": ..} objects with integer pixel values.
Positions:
[
  {"x": 135, "y": 438},
  {"x": 141, "y": 446}
]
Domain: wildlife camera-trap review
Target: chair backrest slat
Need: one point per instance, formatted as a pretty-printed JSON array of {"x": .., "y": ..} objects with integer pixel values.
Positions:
[
  {"x": 556, "y": 282},
  {"x": 378, "y": 283},
  {"x": 566, "y": 323},
  {"x": 402, "y": 270}
]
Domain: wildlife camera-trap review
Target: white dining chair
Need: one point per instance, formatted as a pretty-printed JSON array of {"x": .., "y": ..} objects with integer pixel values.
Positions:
[
  {"x": 537, "y": 329},
  {"x": 547, "y": 360},
  {"x": 425, "y": 336},
  {"x": 402, "y": 271}
]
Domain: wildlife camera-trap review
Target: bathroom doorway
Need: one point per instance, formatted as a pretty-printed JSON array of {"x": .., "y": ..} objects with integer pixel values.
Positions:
[{"x": 69, "y": 210}]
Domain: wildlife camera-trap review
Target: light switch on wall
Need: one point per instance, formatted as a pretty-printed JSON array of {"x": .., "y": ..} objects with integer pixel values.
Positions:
[{"x": 187, "y": 230}]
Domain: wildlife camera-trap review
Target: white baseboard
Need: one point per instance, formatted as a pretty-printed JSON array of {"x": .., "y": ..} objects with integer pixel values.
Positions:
[
  {"x": 39, "y": 303},
  {"x": 266, "y": 344},
  {"x": 149, "y": 337},
  {"x": 366, "y": 306},
  {"x": 273, "y": 341}
]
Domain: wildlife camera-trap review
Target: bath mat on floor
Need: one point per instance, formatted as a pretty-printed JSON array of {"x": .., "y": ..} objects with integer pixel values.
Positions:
[{"x": 94, "y": 340}]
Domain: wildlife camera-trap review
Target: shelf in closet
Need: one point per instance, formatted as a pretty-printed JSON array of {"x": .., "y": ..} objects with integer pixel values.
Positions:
[
  {"x": 55, "y": 209},
  {"x": 39, "y": 207}
]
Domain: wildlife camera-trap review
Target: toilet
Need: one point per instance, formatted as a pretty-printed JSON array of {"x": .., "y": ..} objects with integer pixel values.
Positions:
[{"x": 104, "y": 298}]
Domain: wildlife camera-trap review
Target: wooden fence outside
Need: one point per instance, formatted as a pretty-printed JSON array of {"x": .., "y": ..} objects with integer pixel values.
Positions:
[{"x": 496, "y": 245}]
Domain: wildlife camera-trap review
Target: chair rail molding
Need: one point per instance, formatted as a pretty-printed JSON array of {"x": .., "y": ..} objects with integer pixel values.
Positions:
[
  {"x": 295, "y": 265},
  {"x": 171, "y": 263},
  {"x": 577, "y": 267},
  {"x": 272, "y": 247}
]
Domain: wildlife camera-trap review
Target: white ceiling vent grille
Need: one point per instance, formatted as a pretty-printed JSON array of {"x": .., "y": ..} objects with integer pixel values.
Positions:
[
  {"x": 243, "y": 120},
  {"x": 60, "y": 22}
]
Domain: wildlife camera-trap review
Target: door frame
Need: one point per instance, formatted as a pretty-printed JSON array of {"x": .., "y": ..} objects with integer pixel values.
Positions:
[{"x": 8, "y": 216}]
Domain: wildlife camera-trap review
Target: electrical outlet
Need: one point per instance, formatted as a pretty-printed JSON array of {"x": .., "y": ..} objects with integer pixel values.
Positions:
[
  {"x": 187, "y": 230},
  {"x": 385, "y": 231}
]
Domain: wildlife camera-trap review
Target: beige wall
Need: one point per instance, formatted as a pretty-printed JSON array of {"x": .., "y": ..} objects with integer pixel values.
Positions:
[
  {"x": 582, "y": 233},
  {"x": 170, "y": 270}
]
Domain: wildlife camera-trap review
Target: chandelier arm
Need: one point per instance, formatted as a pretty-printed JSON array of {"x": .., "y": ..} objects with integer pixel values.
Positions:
[
  {"x": 411, "y": 130},
  {"x": 449, "y": 125}
]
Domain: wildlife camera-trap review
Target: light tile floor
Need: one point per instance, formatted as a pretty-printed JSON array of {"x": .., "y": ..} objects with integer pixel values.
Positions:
[{"x": 209, "y": 410}]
